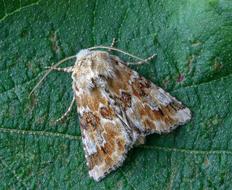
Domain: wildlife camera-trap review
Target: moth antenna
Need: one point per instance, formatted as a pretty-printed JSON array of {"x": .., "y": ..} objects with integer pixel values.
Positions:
[
  {"x": 49, "y": 70},
  {"x": 116, "y": 49}
]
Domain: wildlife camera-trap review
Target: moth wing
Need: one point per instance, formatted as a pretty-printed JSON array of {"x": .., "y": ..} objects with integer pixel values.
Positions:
[
  {"x": 106, "y": 138},
  {"x": 118, "y": 108},
  {"x": 147, "y": 107}
]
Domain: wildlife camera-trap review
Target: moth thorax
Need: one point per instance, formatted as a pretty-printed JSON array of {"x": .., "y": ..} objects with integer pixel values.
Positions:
[
  {"x": 93, "y": 68},
  {"x": 99, "y": 63}
]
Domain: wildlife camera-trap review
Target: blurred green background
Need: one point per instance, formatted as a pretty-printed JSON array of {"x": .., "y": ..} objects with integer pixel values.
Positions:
[{"x": 192, "y": 39}]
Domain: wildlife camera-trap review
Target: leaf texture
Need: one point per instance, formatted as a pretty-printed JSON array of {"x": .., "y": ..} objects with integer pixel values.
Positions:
[{"x": 193, "y": 42}]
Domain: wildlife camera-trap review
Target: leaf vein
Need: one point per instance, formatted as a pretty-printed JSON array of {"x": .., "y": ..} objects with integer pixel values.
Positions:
[
  {"x": 188, "y": 151},
  {"x": 39, "y": 133},
  {"x": 128, "y": 182},
  {"x": 18, "y": 10},
  {"x": 121, "y": 25}
]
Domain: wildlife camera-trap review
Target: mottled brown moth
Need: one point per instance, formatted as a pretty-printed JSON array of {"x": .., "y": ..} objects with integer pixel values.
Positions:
[{"x": 117, "y": 107}]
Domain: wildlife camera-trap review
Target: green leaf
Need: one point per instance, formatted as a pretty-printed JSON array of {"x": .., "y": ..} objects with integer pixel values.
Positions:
[{"x": 192, "y": 39}]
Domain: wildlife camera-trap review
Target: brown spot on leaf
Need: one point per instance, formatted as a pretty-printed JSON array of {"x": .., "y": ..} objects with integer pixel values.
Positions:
[
  {"x": 180, "y": 78},
  {"x": 54, "y": 42},
  {"x": 24, "y": 33},
  {"x": 190, "y": 60},
  {"x": 217, "y": 64}
]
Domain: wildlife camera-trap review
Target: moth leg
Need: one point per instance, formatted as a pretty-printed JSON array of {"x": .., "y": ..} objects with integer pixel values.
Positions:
[
  {"x": 112, "y": 44},
  {"x": 67, "y": 112},
  {"x": 66, "y": 69},
  {"x": 143, "y": 61}
]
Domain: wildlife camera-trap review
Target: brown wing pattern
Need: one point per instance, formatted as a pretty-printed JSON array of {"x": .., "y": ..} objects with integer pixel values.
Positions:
[
  {"x": 147, "y": 107},
  {"x": 106, "y": 138}
]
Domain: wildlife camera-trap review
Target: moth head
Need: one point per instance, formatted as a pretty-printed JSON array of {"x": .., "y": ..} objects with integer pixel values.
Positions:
[{"x": 83, "y": 53}]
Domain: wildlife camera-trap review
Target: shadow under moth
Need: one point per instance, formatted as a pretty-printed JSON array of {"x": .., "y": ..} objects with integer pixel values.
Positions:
[{"x": 117, "y": 107}]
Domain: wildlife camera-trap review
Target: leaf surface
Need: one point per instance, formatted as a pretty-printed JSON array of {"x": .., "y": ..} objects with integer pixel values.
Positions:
[{"x": 192, "y": 39}]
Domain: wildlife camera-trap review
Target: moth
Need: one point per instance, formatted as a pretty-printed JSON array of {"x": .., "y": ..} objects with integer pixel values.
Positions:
[{"x": 117, "y": 107}]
